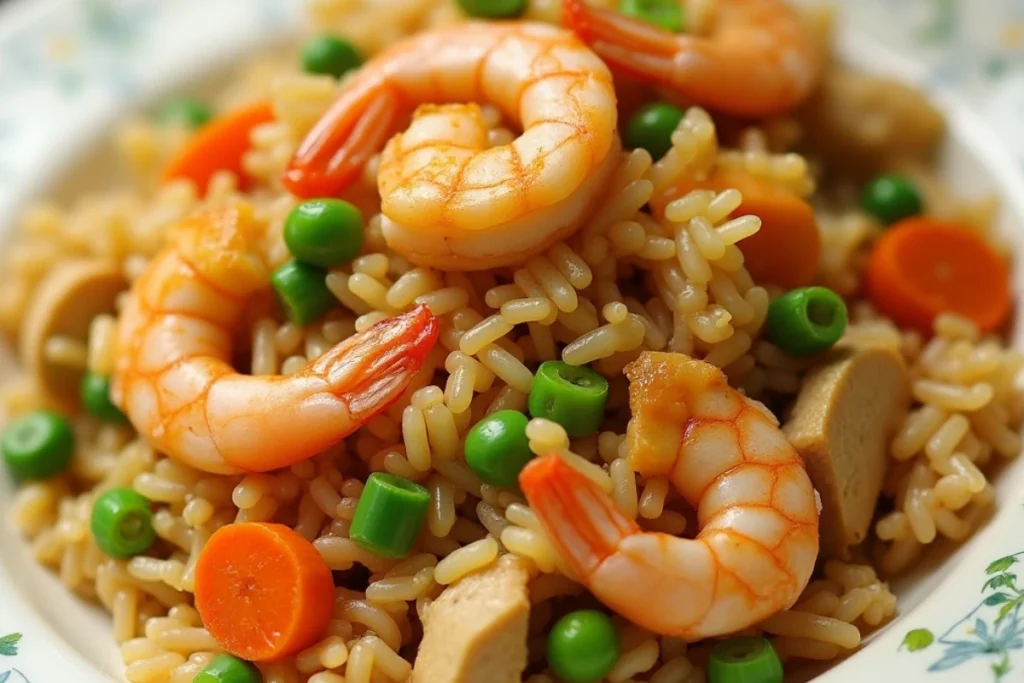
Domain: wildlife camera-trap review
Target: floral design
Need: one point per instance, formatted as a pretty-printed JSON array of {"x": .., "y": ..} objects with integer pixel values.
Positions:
[
  {"x": 966, "y": 44},
  {"x": 91, "y": 46},
  {"x": 9, "y": 648},
  {"x": 990, "y": 631}
]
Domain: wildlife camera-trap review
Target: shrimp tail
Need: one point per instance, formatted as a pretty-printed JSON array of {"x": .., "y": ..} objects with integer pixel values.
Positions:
[
  {"x": 333, "y": 155},
  {"x": 371, "y": 370},
  {"x": 581, "y": 520},
  {"x": 627, "y": 45},
  {"x": 260, "y": 426}
]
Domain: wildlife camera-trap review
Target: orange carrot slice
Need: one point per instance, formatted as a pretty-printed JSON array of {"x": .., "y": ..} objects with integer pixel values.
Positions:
[
  {"x": 786, "y": 251},
  {"x": 263, "y": 591},
  {"x": 219, "y": 145},
  {"x": 922, "y": 267}
]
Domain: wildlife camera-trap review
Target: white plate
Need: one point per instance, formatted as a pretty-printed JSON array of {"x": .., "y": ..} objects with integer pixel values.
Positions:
[{"x": 69, "y": 69}]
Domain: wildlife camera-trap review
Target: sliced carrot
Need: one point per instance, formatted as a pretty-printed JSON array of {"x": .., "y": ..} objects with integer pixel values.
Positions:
[
  {"x": 786, "y": 251},
  {"x": 922, "y": 267},
  {"x": 219, "y": 145},
  {"x": 263, "y": 591}
]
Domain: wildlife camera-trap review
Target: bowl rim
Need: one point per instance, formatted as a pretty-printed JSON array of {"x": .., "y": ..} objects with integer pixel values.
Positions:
[{"x": 57, "y": 658}]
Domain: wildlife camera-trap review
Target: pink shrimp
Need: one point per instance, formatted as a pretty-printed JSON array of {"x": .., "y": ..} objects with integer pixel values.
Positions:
[
  {"x": 174, "y": 380},
  {"x": 760, "y": 60},
  {"x": 449, "y": 198},
  {"x": 757, "y": 510}
]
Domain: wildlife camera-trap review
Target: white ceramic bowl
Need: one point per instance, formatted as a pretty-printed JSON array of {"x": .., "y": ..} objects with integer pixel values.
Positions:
[{"x": 68, "y": 70}]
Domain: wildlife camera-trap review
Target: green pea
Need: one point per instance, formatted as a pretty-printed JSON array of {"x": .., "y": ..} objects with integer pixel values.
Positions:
[
  {"x": 651, "y": 128},
  {"x": 324, "y": 232},
  {"x": 667, "y": 14},
  {"x": 744, "y": 660},
  {"x": 330, "y": 55},
  {"x": 184, "y": 111},
  {"x": 891, "y": 198},
  {"x": 389, "y": 515},
  {"x": 122, "y": 523},
  {"x": 95, "y": 395},
  {"x": 572, "y": 396},
  {"x": 497, "y": 448},
  {"x": 302, "y": 290},
  {"x": 228, "y": 669},
  {"x": 493, "y": 9},
  {"x": 806, "y": 321},
  {"x": 583, "y": 646},
  {"x": 38, "y": 445}
]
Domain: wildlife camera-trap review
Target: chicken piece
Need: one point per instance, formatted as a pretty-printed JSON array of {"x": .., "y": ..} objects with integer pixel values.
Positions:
[
  {"x": 475, "y": 632},
  {"x": 860, "y": 124},
  {"x": 842, "y": 422},
  {"x": 65, "y": 304}
]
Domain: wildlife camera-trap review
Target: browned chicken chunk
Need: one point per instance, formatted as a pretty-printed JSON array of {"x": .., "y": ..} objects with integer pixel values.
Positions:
[
  {"x": 863, "y": 124},
  {"x": 475, "y": 632},
  {"x": 847, "y": 412},
  {"x": 64, "y": 306}
]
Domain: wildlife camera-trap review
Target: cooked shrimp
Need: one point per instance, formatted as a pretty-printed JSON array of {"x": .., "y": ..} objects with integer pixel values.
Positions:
[
  {"x": 757, "y": 510},
  {"x": 449, "y": 200},
  {"x": 760, "y": 61},
  {"x": 175, "y": 382}
]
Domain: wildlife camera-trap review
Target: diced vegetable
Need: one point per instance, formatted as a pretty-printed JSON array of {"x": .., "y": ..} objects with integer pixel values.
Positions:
[
  {"x": 572, "y": 396},
  {"x": 922, "y": 267},
  {"x": 806, "y": 321},
  {"x": 95, "y": 395},
  {"x": 891, "y": 198},
  {"x": 668, "y": 14},
  {"x": 122, "y": 523},
  {"x": 786, "y": 251},
  {"x": 651, "y": 128},
  {"x": 184, "y": 111},
  {"x": 229, "y": 669},
  {"x": 38, "y": 445},
  {"x": 330, "y": 55},
  {"x": 583, "y": 646},
  {"x": 302, "y": 290},
  {"x": 389, "y": 515},
  {"x": 744, "y": 660},
  {"x": 497, "y": 448},
  {"x": 219, "y": 145},
  {"x": 263, "y": 591},
  {"x": 324, "y": 232},
  {"x": 493, "y": 9}
]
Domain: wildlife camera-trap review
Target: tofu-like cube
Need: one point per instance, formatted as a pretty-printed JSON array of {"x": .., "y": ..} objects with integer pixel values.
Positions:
[
  {"x": 842, "y": 422},
  {"x": 475, "y": 632}
]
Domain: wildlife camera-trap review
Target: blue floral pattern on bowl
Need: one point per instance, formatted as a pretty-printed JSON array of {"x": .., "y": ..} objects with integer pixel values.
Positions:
[
  {"x": 50, "y": 54},
  {"x": 9, "y": 648},
  {"x": 969, "y": 44},
  {"x": 992, "y": 631}
]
